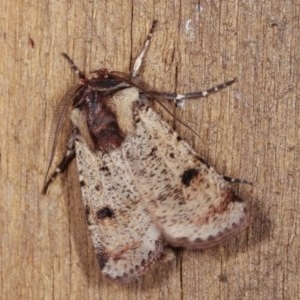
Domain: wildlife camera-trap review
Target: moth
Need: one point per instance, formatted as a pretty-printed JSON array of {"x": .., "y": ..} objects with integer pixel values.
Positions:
[{"x": 144, "y": 189}]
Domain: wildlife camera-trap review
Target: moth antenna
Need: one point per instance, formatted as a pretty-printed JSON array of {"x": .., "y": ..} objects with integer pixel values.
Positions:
[
  {"x": 57, "y": 124},
  {"x": 59, "y": 118},
  {"x": 207, "y": 92},
  {"x": 139, "y": 60},
  {"x": 177, "y": 98},
  {"x": 73, "y": 66}
]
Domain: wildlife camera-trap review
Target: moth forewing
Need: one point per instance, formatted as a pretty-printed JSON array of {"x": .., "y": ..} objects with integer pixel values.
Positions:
[
  {"x": 126, "y": 240},
  {"x": 190, "y": 202}
]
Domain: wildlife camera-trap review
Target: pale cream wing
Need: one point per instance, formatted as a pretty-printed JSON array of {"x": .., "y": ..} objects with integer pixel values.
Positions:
[
  {"x": 126, "y": 240},
  {"x": 190, "y": 202}
]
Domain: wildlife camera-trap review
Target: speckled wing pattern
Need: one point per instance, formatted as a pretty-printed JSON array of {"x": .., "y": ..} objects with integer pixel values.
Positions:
[
  {"x": 191, "y": 204},
  {"x": 126, "y": 240}
]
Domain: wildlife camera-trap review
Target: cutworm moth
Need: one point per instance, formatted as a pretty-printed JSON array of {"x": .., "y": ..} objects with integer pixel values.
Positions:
[{"x": 144, "y": 189}]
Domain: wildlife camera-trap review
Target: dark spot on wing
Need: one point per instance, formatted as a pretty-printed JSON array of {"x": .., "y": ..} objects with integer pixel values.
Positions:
[
  {"x": 105, "y": 212},
  {"x": 153, "y": 150},
  {"x": 104, "y": 168},
  {"x": 188, "y": 175}
]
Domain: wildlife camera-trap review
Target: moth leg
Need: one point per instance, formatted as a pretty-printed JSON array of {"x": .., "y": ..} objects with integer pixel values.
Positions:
[
  {"x": 139, "y": 60},
  {"x": 177, "y": 98},
  {"x": 63, "y": 165}
]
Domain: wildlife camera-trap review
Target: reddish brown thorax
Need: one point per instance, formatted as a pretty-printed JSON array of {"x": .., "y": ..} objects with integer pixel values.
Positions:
[{"x": 102, "y": 124}]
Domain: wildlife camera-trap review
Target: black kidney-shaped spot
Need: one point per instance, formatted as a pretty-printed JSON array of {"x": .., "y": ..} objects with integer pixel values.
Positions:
[
  {"x": 105, "y": 212},
  {"x": 188, "y": 175}
]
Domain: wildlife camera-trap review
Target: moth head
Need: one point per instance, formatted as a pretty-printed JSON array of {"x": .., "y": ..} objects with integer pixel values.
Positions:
[
  {"x": 98, "y": 74},
  {"x": 101, "y": 81}
]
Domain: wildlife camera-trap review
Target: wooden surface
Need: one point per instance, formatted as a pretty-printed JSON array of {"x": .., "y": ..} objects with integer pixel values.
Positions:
[{"x": 249, "y": 131}]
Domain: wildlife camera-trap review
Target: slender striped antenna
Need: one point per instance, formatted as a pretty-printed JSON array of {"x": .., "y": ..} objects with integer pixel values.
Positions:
[
  {"x": 75, "y": 69},
  {"x": 139, "y": 60}
]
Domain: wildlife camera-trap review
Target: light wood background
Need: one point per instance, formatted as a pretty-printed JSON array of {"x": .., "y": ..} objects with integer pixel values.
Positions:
[{"x": 249, "y": 131}]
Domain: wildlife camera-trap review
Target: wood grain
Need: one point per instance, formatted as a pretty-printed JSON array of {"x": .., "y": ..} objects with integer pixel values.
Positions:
[{"x": 249, "y": 131}]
